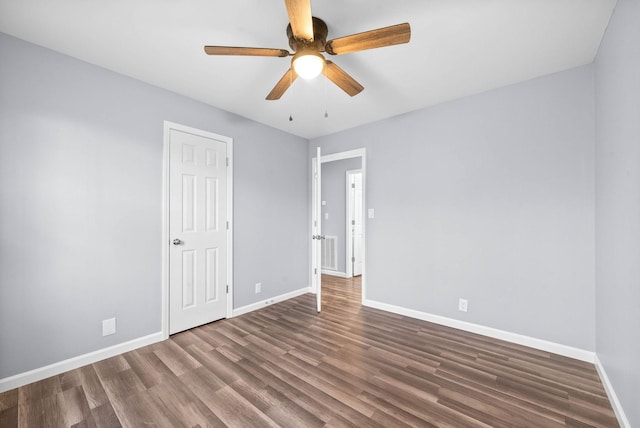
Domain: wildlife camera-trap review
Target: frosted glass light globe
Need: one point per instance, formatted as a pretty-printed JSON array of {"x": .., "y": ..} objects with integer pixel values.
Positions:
[{"x": 308, "y": 66}]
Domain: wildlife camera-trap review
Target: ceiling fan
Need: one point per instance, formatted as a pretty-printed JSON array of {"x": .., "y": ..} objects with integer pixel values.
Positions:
[{"x": 308, "y": 38}]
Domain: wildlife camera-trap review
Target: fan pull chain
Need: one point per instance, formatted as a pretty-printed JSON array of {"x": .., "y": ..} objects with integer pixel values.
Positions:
[
  {"x": 291, "y": 93},
  {"x": 326, "y": 109}
]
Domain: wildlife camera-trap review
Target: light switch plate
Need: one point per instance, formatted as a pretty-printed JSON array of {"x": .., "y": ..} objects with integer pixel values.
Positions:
[{"x": 370, "y": 213}]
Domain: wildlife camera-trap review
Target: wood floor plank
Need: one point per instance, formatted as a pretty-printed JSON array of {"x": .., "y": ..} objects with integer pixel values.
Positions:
[
  {"x": 9, "y": 417},
  {"x": 289, "y": 414},
  {"x": 235, "y": 410},
  {"x": 537, "y": 414},
  {"x": 179, "y": 404},
  {"x": 349, "y": 366},
  {"x": 105, "y": 416},
  {"x": 174, "y": 357},
  {"x": 8, "y": 399},
  {"x": 39, "y": 390},
  {"x": 75, "y": 407},
  {"x": 148, "y": 368},
  {"x": 403, "y": 416},
  {"x": 92, "y": 387},
  {"x": 123, "y": 384},
  {"x": 139, "y": 409},
  {"x": 111, "y": 367}
]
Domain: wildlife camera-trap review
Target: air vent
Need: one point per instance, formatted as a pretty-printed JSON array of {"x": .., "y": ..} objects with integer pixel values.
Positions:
[{"x": 330, "y": 253}]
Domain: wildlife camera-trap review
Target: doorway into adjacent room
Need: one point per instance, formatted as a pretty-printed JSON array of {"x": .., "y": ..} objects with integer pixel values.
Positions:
[{"x": 338, "y": 227}]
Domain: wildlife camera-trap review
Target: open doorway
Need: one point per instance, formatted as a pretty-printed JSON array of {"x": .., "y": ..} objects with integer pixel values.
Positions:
[{"x": 337, "y": 211}]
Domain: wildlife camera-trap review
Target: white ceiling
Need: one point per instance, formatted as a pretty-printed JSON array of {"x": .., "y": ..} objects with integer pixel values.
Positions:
[{"x": 457, "y": 48}]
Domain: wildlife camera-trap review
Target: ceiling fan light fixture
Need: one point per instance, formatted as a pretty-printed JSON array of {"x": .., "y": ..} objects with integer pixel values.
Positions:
[{"x": 308, "y": 65}]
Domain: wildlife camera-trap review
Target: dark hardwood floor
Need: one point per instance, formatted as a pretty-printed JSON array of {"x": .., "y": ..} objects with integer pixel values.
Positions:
[{"x": 285, "y": 365}]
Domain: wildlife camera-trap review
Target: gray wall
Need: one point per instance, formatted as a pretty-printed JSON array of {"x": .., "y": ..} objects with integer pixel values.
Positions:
[
  {"x": 334, "y": 193},
  {"x": 618, "y": 205},
  {"x": 81, "y": 203},
  {"x": 489, "y": 198}
]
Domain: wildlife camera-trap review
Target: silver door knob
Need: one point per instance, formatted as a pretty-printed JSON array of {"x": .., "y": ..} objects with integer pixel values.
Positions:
[{"x": 177, "y": 242}]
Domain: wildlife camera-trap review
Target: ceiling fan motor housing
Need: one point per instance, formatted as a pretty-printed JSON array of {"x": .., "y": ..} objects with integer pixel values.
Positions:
[{"x": 320, "y": 32}]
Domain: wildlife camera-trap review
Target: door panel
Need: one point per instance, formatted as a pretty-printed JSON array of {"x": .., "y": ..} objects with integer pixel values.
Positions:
[
  {"x": 316, "y": 250},
  {"x": 197, "y": 230},
  {"x": 211, "y": 274}
]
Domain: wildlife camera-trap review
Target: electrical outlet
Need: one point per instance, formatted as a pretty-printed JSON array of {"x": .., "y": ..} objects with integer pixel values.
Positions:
[
  {"x": 463, "y": 305},
  {"x": 258, "y": 287},
  {"x": 109, "y": 327}
]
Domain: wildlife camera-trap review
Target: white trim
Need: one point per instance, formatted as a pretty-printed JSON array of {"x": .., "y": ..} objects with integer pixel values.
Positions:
[
  {"x": 230, "y": 230},
  {"x": 165, "y": 230},
  {"x": 168, "y": 126},
  {"x": 613, "y": 397},
  {"x": 264, "y": 303},
  {"x": 532, "y": 342},
  {"x": 334, "y": 273},
  {"x": 343, "y": 155},
  {"x": 54, "y": 369}
]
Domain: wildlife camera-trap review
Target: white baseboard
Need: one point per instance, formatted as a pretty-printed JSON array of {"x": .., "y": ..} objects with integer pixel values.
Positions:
[
  {"x": 334, "y": 273},
  {"x": 35, "y": 375},
  {"x": 21, "y": 379},
  {"x": 270, "y": 301},
  {"x": 532, "y": 342},
  {"x": 613, "y": 398}
]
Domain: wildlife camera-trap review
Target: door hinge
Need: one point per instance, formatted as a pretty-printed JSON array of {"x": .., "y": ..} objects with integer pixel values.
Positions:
[
  {"x": 353, "y": 259},
  {"x": 227, "y": 289},
  {"x": 353, "y": 185},
  {"x": 353, "y": 222},
  {"x": 315, "y": 271},
  {"x": 227, "y": 161},
  {"x": 227, "y": 224}
]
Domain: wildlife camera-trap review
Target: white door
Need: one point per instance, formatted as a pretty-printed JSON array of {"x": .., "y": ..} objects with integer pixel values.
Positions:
[
  {"x": 316, "y": 241},
  {"x": 197, "y": 229},
  {"x": 355, "y": 190}
]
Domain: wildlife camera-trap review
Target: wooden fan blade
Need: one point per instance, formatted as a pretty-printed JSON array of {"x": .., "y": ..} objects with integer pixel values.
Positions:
[
  {"x": 233, "y": 50},
  {"x": 300, "y": 18},
  {"x": 387, "y": 36},
  {"x": 342, "y": 79},
  {"x": 282, "y": 85}
]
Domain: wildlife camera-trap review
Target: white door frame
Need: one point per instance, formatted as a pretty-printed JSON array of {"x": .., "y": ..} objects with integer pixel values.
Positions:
[
  {"x": 166, "y": 241},
  {"x": 348, "y": 215},
  {"x": 362, "y": 154}
]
